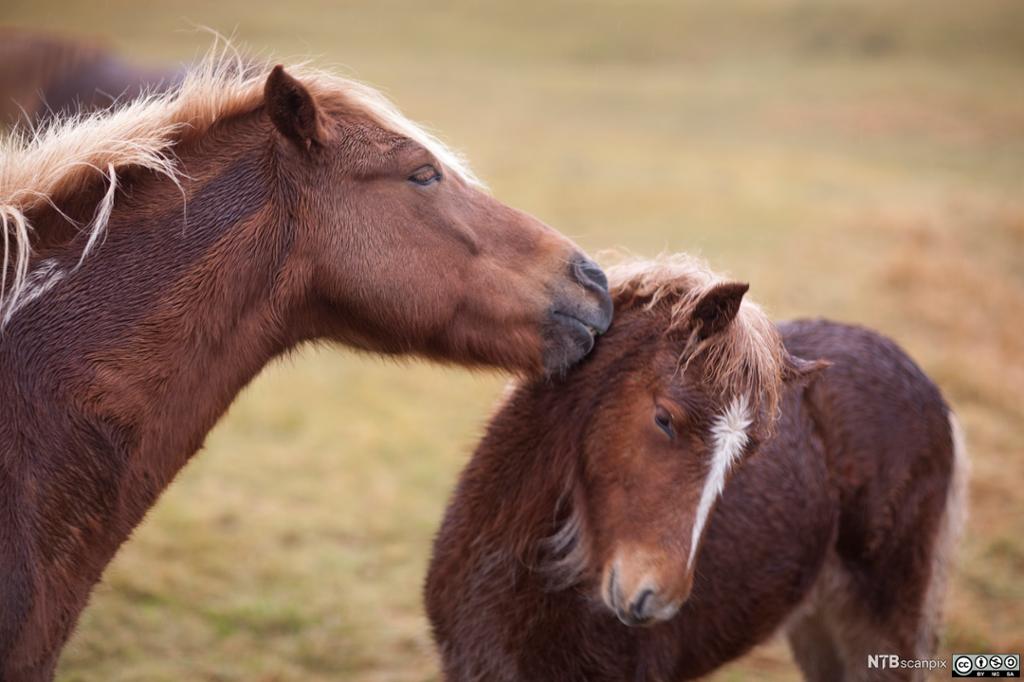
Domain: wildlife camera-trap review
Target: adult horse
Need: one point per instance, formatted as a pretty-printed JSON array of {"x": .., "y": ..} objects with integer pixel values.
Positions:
[
  {"x": 46, "y": 75},
  {"x": 157, "y": 257},
  {"x": 693, "y": 475}
]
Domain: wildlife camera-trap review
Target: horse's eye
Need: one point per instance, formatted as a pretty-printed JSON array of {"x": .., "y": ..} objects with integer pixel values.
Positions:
[
  {"x": 426, "y": 175},
  {"x": 664, "y": 421}
]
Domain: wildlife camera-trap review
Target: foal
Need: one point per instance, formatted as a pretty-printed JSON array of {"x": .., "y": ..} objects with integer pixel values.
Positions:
[
  {"x": 694, "y": 475},
  {"x": 157, "y": 257}
]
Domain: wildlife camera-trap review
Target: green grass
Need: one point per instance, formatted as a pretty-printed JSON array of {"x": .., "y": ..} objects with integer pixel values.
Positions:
[{"x": 859, "y": 160}]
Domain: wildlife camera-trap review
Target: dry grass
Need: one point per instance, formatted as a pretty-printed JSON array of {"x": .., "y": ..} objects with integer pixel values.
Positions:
[{"x": 859, "y": 160}]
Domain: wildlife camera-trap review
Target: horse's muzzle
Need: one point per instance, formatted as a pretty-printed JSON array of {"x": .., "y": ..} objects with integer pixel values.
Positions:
[{"x": 582, "y": 311}]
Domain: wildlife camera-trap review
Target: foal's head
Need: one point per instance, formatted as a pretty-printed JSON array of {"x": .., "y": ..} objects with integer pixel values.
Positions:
[
  {"x": 407, "y": 253},
  {"x": 688, "y": 382}
]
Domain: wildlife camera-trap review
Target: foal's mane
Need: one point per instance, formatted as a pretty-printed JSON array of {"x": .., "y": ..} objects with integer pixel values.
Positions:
[
  {"x": 44, "y": 166},
  {"x": 747, "y": 359}
]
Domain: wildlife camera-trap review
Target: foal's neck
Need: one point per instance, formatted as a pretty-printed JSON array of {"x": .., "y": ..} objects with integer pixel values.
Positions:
[{"x": 525, "y": 469}]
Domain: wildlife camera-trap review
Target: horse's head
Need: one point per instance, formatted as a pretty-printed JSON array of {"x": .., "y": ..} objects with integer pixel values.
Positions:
[
  {"x": 406, "y": 254},
  {"x": 689, "y": 382}
]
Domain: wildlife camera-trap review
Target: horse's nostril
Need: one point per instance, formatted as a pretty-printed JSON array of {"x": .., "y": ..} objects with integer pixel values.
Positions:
[
  {"x": 638, "y": 609},
  {"x": 589, "y": 274}
]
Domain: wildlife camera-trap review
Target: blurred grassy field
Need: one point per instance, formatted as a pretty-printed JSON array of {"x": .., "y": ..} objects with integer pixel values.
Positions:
[{"x": 858, "y": 160}]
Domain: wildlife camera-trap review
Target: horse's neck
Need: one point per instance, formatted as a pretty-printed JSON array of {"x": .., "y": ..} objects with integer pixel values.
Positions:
[{"x": 130, "y": 359}]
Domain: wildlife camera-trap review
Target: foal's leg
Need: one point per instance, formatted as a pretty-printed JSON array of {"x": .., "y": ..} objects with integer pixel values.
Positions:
[
  {"x": 859, "y": 635},
  {"x": 833, "y": 634},
  {"x": 813, "y": 648},
  {"x": 911, "y": 619}
]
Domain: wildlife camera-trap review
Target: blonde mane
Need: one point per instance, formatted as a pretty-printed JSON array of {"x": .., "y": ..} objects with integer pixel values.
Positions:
[
  {"x": 747, "y": 359},
  {"x": 40, "y": 167}
]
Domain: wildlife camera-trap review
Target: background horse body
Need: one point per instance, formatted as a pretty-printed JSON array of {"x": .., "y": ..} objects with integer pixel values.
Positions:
[
  {"x": 44, "y": 76},
  {"x": 144, "y": 289},
  {"x": 836, "y": 526}
]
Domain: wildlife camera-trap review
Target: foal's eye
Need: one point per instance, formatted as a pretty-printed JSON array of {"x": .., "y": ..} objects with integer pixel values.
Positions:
[
  {"x": 426, "y": 175},
  {"x": 664, "y": 421}
]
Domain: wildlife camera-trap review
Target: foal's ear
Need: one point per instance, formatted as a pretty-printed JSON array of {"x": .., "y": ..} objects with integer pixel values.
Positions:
[
  {"x": 718, "y": 307},
  {"x": 292, "y": 109},
  {"x": 800, "y": 371}
]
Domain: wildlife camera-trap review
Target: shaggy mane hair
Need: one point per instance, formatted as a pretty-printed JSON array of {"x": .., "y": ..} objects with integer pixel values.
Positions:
[
  {"x": 44, "y": 166},
  {"x": 748, "y": 358}
]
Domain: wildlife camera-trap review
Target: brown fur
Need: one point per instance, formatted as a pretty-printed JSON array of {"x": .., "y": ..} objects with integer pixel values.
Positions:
[
  {"x": 180, "y": 244},
  {"x": 831, "y": 526}
]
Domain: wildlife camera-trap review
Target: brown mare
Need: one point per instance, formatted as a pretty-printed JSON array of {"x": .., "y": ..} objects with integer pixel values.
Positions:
[
  {"x": 45, "y": 75},
  {"x": 592, "y": 504},
  {"x": 157, "y": 257}
]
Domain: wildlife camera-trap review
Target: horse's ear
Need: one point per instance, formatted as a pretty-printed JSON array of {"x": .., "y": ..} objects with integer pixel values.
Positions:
[
  {"x": 292, "y": 109},
  {"x": 798, "y": 370},
  {"x": 718, "y": 307}
]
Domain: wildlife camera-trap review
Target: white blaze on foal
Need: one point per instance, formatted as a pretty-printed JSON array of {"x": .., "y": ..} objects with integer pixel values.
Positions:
[{"x": 729, "y": 436}]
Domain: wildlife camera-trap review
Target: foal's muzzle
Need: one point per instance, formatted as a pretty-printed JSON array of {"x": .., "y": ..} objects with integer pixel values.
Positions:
[
  {"x": 644, "y": 604},
  {"x": 582, "y": 310}
]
